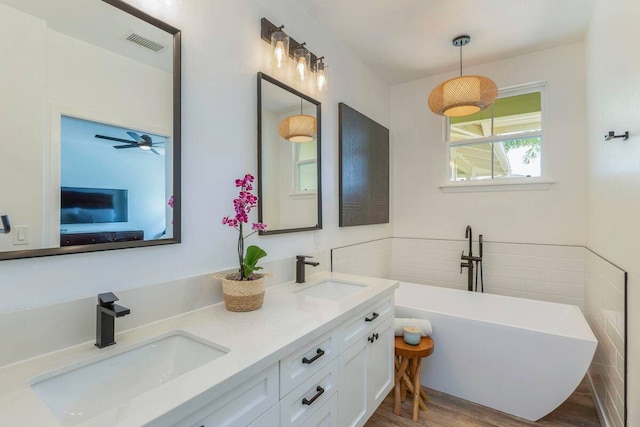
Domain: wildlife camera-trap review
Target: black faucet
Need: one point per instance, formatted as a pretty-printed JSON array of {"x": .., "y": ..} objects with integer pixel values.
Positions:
[
  {"x": 106, "y": 313},
  {"x": 470, "y": 259},
  {"x": 300, "y": 263},
  {"x": 6, "y": 225}
]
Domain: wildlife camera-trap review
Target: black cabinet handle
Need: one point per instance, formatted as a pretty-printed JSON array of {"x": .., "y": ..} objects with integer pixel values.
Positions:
[
  {"x": 319, "y": 354},
  {"x": 373, "y": 337},
  {"x": 319, "y": 390},
  {"x": 373, "y": 317}
]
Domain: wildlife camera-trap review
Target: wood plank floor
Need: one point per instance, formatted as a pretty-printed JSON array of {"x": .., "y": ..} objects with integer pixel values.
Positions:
[{"x": 444, "y": 410}]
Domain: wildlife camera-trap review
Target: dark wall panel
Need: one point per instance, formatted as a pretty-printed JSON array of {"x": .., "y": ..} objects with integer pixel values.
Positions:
[{"x": 364, "y": 169}]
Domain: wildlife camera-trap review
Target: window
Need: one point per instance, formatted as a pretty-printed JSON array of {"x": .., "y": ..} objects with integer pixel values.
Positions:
[
  {"x": 503, "y": 141},
  {"x": 305, "y": 167}
]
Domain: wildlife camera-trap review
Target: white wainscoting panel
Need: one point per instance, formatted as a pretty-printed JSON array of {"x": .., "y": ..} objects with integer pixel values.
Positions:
[
  {"x": 542, "y": 272},
  {"x": 605, "y": 312},
  {"x": 371, "y": 259}
]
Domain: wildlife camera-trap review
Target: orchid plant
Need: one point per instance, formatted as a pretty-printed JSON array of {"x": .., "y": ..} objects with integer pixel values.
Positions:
[{"x": 242, "y": 206}]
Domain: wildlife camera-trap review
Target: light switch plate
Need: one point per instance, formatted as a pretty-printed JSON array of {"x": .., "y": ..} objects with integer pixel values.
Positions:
[{"x": 21, "y": 235}]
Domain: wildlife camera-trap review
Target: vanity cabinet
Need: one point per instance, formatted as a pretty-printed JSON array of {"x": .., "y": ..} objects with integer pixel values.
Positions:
[
  {"x": 271, "y": 418},
  {"x": 240, "y": 406},
  {"x": 366, "y": 370},
  {"x": 336, "y": 379}
]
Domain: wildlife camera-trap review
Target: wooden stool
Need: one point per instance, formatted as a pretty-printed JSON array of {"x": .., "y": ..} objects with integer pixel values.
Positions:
[{"x": 408, "y": 367}]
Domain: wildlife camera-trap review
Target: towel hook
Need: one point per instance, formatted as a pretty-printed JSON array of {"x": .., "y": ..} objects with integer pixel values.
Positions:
[
  {"x": 6, "y": 225},
  {"x": 613, "y": 135}
]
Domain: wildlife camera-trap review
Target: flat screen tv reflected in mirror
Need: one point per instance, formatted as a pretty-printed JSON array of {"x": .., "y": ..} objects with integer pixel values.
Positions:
[{"x": 93, "y": 205}]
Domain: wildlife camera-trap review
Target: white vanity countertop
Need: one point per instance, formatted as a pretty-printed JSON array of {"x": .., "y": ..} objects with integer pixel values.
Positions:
[{"x": 257, "y": 340}]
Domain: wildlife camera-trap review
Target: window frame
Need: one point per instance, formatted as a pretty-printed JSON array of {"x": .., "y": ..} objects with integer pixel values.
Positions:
[
  {"x": 538, "y": 86},
  {"x": 296, "y": 171}
]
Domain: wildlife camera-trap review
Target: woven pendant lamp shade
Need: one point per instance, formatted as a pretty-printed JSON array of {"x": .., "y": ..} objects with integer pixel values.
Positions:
[
  {"x": 463, "y": 96},
  {"x": 298, "y": 128}
]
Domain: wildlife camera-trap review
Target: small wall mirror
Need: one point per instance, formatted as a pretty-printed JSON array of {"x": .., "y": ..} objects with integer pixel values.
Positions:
[
  {"x": 90, "y": 117},
  {"x": 289, "y": 184}
]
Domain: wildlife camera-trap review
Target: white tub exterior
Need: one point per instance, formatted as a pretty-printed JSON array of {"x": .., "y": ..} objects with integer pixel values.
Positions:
[{"x": 519, "y": 356}]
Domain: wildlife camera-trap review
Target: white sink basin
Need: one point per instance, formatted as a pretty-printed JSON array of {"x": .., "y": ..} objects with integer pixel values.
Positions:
[
  {"x": 331, "y": 290},
  {"x": 78, "y": 393}
]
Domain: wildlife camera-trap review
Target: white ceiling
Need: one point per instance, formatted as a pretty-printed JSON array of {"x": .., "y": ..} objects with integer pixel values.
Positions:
[{"x": 403, "y": 40}]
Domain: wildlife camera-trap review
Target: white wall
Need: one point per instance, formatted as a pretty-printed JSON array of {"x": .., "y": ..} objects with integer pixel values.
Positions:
[
  {"x": 222, "y": 51},
  {"x": 613, "y": 202},
  {"x": 420, "y": 159},
  {"x": 23, "y": 46}
]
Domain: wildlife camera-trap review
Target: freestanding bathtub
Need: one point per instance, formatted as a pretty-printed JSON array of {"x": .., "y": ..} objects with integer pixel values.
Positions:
[{"x": 519, "y": 356}]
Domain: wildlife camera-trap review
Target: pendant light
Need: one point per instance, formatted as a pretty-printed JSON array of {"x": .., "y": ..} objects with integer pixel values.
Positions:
[
  {"x": 298, "y": 128},
  {"x": 462, "y": 95}
]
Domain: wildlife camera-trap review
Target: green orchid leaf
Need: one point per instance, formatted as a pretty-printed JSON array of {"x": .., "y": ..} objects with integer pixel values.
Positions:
[{"x": 254, "y": 253}]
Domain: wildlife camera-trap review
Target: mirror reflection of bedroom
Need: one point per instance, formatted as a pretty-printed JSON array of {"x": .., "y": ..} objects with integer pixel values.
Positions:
[
  {"x": 88, "y": 105},
  {"x": 112, "y": 183}
]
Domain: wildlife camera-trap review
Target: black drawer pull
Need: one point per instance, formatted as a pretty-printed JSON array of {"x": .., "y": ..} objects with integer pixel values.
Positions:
[
  {"x": 373, "y": 317},
  {"x": 319, "y": 390},
  {"x": 319, "y": 354},
  {"x": 373, "y": 337}
]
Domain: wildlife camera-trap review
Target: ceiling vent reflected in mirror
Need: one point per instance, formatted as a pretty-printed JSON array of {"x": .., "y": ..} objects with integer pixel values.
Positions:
[{"x": 145, "y": 42}]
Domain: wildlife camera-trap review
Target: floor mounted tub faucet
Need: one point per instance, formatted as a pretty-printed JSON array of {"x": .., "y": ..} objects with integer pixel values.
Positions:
[{"x": 468, "y": 260}]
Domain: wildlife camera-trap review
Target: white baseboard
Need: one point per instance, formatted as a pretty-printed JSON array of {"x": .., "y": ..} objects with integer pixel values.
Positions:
[{"x": 600, "y": 408}]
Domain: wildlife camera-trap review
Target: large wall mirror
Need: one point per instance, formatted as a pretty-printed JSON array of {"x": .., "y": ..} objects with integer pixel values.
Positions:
[
  {"x": 90, "y": 120},
  {"x": 289, "y": 184}
]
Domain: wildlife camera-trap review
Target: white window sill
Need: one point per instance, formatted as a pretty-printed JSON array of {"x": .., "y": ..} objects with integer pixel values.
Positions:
[
  {"x": 505, "y": 184},
  {"x": 306, "y": 195}
]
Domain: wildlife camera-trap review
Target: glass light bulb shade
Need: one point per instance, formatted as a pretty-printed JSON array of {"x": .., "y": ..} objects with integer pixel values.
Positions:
[
  {"x": 322, "y": 83},
  {"x": 302, "y": 58},
  {"x": 463, "y": 96},
  {"x": 144, "y": 147},
  {"x": 280, "y": 44},
  {"x": 298, "y": 128}
]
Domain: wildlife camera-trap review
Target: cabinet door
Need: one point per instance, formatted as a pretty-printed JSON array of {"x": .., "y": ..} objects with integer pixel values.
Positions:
[
  {"x": 352, "y": 392},
  {"x": 380, "y": 370}
]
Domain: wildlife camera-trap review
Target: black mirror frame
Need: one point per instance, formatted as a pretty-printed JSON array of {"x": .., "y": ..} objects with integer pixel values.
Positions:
[
  {"x": 177, "y": 131},
  {"x": 318, "y": 226}
]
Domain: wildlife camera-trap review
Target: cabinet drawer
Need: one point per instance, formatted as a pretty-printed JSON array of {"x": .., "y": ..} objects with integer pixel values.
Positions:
[
  {"x": 306, "y": 361},
  {"x": 271, "y": 418},
  {"x": 326, "y": 415},
  {"x": 364, "y": 322},
  {"x": 241, "y": 405},
  {"x": 299, "y": 405}
]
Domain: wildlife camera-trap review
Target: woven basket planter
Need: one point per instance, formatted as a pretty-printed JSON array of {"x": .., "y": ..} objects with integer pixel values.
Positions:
[{"x": 243, "y": 295}]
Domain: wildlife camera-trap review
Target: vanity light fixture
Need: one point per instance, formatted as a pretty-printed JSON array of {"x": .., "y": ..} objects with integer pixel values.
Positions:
[
  {"x": 302, "y": 59},
  {"x": 462, "y": 95},
  {"x": 285, "y": 47},
  {"x": 298, "y": 128},
  {"x": 322, "y": 83},
  {"x": 280, "y": 44}
]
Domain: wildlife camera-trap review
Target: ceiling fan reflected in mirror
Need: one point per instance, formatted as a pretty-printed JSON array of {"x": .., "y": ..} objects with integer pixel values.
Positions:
[{"x": 143, "y": 142}]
